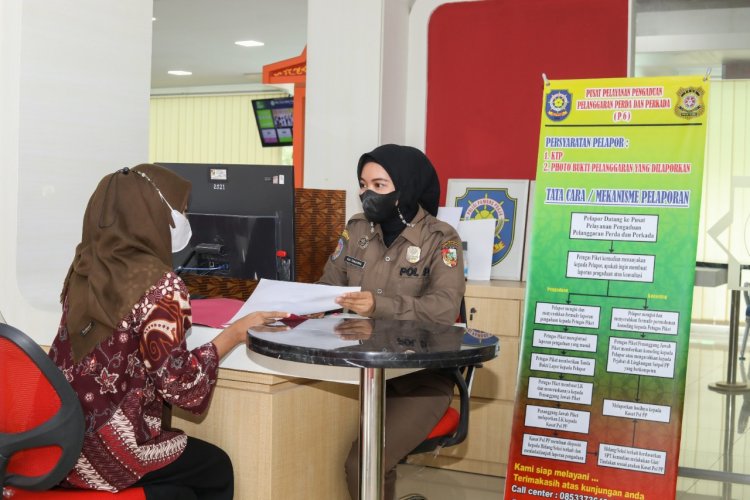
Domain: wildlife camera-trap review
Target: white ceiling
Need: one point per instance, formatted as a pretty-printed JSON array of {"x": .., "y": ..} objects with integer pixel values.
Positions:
[
  {"x": 673, "y": 37},
  {"x": 199, "y": 36}
]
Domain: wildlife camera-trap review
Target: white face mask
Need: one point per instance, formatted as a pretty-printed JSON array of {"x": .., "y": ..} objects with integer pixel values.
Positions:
[{"x": 181, "y": 232}]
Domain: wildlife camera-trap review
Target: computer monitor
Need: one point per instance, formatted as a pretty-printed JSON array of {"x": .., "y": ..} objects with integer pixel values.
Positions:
[
  {"x": 252, "y": 196},
  {"x": 237, "y": 246}
]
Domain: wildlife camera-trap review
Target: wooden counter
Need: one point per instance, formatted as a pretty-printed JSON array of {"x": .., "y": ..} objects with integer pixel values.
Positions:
[{"x": 287, "y": 437}]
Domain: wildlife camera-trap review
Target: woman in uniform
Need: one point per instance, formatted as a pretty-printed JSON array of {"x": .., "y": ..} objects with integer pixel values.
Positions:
[{"x": 409, "y": 266}]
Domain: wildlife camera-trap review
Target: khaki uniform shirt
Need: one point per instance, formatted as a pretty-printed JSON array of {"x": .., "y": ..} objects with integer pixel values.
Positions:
[{"x": 420, "y": 277}]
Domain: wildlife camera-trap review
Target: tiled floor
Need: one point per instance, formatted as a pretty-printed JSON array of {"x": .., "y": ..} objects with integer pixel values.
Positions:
[{"x": 715, "y": 436}]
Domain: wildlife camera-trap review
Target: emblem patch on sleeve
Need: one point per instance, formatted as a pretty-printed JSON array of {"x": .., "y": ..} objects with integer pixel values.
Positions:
[
  {"x": 449, "y": 250},
  {"x": 339, "y": 248}
]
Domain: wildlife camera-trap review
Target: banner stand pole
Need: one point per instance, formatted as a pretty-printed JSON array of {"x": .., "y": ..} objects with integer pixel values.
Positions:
[{"x": 731, "y": 384}]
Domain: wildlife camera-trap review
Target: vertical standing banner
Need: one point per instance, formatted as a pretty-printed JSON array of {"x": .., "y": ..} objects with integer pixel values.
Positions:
[{"x": 601, "y": 381}]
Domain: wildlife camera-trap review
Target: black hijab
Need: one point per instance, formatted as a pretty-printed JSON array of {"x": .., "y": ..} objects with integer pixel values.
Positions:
[{"x": 414, "y": 178}]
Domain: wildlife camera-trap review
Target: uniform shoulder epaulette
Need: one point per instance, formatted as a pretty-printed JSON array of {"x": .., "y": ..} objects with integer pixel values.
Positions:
[{"x": 438, "y": 226}]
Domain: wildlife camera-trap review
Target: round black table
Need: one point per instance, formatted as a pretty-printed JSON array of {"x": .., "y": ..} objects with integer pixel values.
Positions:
[{"x": 372, "y": 345}]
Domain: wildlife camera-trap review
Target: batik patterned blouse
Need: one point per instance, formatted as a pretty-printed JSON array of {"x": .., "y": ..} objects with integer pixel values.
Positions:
[{"x": 124, "y": 381}]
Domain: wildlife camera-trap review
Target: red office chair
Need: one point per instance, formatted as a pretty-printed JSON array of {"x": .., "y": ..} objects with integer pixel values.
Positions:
[
  {"x": 453, "y": 426},
  {"x": 41, "y": 425}
]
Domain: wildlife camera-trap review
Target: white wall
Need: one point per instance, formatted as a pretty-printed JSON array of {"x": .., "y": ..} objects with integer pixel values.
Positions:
[
  {"x": 74, "y": 97},
  {"x": 342, "y": 115},
  {"x": 366, "y": 84},
  {"x": 356, "y": 79},
  {"x": 395, "y": 71}
]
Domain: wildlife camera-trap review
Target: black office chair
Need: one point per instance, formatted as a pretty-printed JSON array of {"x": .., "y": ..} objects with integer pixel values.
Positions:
[{"x": 453, "y": 427}]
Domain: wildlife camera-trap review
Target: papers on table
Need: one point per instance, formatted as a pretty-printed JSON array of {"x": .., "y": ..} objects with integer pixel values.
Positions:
[
  {"x": 314, "y": 333},
  {"x": 291, "y": 297}
]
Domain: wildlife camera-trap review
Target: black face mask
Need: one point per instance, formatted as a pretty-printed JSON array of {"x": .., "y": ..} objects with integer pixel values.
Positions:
[{"x": 379, "y": 207}]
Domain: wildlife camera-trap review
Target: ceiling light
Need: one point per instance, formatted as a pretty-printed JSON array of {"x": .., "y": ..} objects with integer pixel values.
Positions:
[
  {"x": 249, "y": 43},
  {"x": 179, "y": 72},
  {"x": 153, "y": 19}
]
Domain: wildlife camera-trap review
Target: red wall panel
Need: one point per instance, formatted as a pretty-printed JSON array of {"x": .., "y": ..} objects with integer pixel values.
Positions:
[{"x": 484, "y": 76}]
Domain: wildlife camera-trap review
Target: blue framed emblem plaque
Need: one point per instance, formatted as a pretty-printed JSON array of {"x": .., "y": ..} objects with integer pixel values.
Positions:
[{"x": 505, "y": 201}]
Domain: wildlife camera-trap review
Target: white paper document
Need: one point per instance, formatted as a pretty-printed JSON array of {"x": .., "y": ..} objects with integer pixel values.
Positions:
[
  {"x": 479, "y": 235},
  {"x": 451, "y": 215},
  {"x": 294, "y": 298}
]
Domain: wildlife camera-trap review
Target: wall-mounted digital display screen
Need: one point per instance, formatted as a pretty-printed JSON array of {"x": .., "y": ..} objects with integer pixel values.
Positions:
[{"x": 275, "y": 121}]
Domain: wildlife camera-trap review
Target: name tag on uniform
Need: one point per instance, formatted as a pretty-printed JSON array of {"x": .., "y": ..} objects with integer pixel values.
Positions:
[{"x": 355, "y": 262}]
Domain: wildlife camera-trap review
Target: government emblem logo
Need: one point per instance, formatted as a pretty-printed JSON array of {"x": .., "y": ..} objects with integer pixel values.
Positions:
[
  {"x": 690, "y": 102},
  {"x": 449, "y": 250},
  {"x": 557, "y": 105},
  {"x": 484, "y": 203}
]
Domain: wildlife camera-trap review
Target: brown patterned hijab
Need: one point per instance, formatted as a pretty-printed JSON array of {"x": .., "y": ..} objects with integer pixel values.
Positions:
[{"x": 125, "y": 248}]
